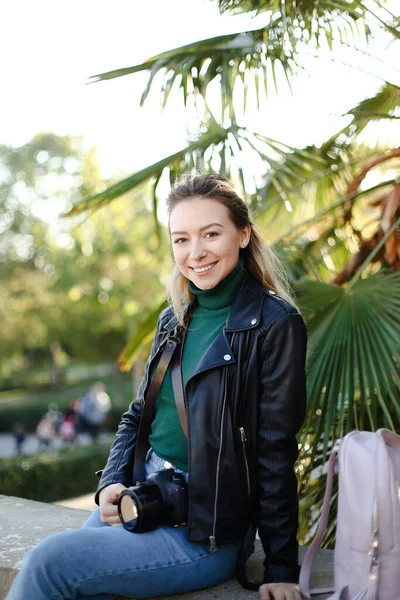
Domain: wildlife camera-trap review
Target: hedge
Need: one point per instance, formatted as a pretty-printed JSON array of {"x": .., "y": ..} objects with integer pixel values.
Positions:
[
  {"x": 30, "y": 415},
  {"x": 30, "y": 408},
  {"x": 50, "y": 477}
]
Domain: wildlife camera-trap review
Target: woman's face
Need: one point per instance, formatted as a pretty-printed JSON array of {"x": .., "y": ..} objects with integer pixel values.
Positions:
[{"x": 205, "y": 242}]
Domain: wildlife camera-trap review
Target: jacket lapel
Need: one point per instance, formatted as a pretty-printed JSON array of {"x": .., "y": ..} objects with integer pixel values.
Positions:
[
  {"x": 217, "y": 355},
  {"x": 245, "y": 314},
  {"x": 247, "y": 306}
]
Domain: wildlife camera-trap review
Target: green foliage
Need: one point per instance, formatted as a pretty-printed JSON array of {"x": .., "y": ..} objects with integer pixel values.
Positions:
[
  {"x": 51, "y": 477},
  {"x": 354, "y": 376},
  {"x": 70, "y": 289}
]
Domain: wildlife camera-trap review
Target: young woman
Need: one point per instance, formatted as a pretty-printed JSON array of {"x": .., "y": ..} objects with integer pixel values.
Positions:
[{"x": 243, "y": 370}]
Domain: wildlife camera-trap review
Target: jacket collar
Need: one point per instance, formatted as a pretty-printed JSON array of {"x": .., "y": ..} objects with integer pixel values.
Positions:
[
  {"x": 245, "y": 312},
  {"x": 172, "y": 321},
  {"x": 246, "y": 309}
]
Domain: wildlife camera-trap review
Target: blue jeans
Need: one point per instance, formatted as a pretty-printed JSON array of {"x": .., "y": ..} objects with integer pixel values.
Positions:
[{"x": 101, "y": 562}]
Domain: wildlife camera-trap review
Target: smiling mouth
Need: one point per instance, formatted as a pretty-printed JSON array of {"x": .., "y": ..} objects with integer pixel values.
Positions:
[{"x": 203, "y": 269}]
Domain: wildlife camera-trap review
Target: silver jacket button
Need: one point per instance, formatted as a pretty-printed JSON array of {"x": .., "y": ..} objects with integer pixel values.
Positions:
[
  {"x": 253, "y": 321},
  {"x": 227, "y": 357}
]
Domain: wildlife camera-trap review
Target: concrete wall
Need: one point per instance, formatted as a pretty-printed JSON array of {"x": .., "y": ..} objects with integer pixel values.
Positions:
[{"x": 24, "y": 523}]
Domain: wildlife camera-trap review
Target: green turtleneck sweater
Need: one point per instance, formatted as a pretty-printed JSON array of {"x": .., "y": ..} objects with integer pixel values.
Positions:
[{"x": 207, "y": 320}]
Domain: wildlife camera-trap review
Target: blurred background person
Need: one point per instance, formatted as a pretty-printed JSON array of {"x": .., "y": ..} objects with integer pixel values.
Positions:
[
  {"x": 19, "y": 435},
  {"x": 93, "y": 410},
  {"x": 45, "y": 432},
  {"x": 67, "y": 431},
  {"x": 56, "y": 414}
]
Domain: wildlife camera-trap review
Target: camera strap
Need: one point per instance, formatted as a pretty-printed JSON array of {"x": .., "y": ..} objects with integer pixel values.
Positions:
[
  {"x": 148, "y": 410},
  {"x": 171, "y": 355},
  {"x": 177, "y": 383}
]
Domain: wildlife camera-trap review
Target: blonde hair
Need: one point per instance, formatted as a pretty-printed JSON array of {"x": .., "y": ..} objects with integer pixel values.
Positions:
[{"x": 257, "y": 258}]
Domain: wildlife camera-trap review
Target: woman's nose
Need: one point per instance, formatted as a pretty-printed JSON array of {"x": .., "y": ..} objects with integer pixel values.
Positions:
[{"x": 197, "y": 251}]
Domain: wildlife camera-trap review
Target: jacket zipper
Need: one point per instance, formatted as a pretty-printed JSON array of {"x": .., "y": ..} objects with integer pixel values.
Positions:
[
  {"x": 213, "y": 542},
  {"x": 244, "y": 440}
]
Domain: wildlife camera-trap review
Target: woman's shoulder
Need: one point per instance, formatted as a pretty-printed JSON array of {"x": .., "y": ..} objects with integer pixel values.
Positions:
[
  {"x": 273, "y": 301},
  {"x": 166, "y": 313},
  {"x": 164, "y": 317},
  {"x": 259, "y": 306},
  {"x": 277, "y": 309}
]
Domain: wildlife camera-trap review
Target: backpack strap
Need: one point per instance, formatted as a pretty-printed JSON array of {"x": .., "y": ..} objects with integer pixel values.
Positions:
[
  {"x": 306, "y": 567},
  {"x": 243, "y": 554}
]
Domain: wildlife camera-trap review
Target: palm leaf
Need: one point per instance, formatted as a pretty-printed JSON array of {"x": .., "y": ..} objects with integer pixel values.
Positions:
[
  {"x": 258, "y": 51},
  {"x": 213, "y": 137},
  {"x": 226, "y": 150},
  {"x": 203, "y": 61},
  {"x": 354, "y": 355},
  {"x": 142, "y": 336},
  {"x": 328, "y": 19},
  {"x": 381, "y": 106}
]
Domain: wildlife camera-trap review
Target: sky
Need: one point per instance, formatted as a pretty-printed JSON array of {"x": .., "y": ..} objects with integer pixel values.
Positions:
[{"x": 49, "y": 49}]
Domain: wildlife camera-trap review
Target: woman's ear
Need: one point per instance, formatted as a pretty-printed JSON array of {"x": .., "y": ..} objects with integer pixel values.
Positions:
[{"x": 245, "y": 236}]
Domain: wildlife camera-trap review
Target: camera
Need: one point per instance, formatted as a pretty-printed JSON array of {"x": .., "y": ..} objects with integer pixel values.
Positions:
[{"x": 162, "y": 498}]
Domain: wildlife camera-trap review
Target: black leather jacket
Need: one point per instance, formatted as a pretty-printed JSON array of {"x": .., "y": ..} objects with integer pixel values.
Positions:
[{"x": 245, "y": 403}]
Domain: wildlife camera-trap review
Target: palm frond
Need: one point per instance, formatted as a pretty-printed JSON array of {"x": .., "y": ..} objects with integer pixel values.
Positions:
[
  {"x": 383, "y": 105},
  {"x": 354, "y": 355},
  {"x": 339, "y": 18},
  {"x": 227, "y": 57},
  {"x": 233, "y": 57},
  {"x": 213, "y": 137},
  {"x": 143, "y": 334},
  {"x": 228, "y": 151}
]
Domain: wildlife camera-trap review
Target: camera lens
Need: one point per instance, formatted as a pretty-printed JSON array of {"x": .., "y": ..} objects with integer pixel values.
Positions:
[
  {"x": 140, "y": 508},
  {"x": 129, "y": 511}
]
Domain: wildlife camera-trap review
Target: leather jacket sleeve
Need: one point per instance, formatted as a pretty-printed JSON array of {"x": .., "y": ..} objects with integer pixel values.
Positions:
[
  {"x": 282, "y": 411},
  {"x": 119, "y": 466}
]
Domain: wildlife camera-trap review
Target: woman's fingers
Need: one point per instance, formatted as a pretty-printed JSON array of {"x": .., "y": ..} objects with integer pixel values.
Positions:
[
  {"x": 109, "y": 514},
  {"x": 109, "y": 510},
  {"x": 111, "y": 520},
  {"x": 264, "y": 592},
  {"x": 280, "y": 591},
  {"x": 108, "y": 503}
]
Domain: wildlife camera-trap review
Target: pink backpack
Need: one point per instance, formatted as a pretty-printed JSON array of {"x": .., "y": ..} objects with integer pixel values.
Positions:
[{"x": 367, "y": 550}]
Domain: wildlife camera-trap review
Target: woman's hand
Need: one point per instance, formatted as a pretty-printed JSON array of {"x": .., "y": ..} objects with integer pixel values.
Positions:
[
  {"x": 108, "y": 500},
  {"x": 280, "y": 591}
]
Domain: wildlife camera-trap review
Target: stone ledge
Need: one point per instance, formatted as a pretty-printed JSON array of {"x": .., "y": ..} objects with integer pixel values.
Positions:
[{"x": 24, "y": 523}]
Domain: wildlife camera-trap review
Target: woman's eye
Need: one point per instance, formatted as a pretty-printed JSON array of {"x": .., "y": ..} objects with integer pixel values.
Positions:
[
  {"x": 211, "y": 234},
  {"x": 179, "y": 240}
]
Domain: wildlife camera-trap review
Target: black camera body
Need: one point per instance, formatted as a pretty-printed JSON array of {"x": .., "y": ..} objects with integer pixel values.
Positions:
[{"x": 162, "y": 498}]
